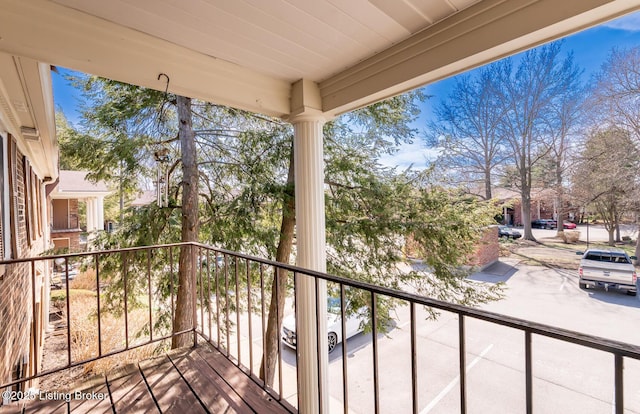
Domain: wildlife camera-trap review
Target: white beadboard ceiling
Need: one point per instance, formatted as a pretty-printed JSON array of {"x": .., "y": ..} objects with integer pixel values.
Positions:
[
  {"x": 289, "y": 40},
  {"x": 251, "y": 53}
]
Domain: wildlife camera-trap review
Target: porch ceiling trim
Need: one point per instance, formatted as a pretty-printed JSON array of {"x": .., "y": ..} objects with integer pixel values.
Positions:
[
  {"x": 62, "y": 36},
  {"x": 485, "y": 32}
]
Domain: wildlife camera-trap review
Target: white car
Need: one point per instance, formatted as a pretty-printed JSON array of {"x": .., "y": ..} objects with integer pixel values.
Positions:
[{"x": 354, "y": 324}]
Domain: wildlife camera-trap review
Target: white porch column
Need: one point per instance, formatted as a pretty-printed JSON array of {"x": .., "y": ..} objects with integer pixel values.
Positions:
[
  {"x": 100, "y": 212},
  {"x": 90, "y": 221},
  {"x": 307, "y": 120}
]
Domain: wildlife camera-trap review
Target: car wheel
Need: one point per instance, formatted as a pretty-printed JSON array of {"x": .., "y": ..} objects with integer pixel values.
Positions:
[
  {"x": 582, "y": 285},
  {"x": 631, "y": 293},
  {"x": 333, "y": 341}
]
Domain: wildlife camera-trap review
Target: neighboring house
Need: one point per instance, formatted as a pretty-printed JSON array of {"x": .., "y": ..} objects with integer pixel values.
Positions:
[
  {"x": 66, "y": 195},
  {"x": 28, "y": 161},
  {"x": 144, "y": 199},
  {"x": 543, "y": 204}
]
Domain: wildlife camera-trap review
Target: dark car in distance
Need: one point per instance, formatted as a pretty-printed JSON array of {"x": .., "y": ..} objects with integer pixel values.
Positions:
[
  {"x": 508, "y": 232},
  {"x": 544, "y": 224}
]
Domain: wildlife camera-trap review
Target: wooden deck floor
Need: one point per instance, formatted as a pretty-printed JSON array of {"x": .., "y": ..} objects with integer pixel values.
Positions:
[{"x": 197, "y": 380}]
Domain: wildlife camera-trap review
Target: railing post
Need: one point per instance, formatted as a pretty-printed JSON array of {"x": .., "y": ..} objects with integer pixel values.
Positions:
[
  {"x": 194, "y": 294},
  {"x": 149, "y": 292},
  {"x": 619, "y": 384},
  {"x": 414, "y": 359},
  {"x": 97, "y": 261},
  {"x": 34, "y": 321},
  {"x": 374, "y": 342},
  {"x": 528, "y": 372},
  {"x": 343, "y": 327},
  {"x": 463, "y": 364}
]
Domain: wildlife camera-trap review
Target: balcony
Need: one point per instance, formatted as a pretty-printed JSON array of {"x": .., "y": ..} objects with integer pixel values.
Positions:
[{"x": 220, "y": 369}]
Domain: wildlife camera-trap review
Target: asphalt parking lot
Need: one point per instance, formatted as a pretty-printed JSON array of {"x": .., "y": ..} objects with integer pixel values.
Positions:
[{"x": 568, "y": 378}]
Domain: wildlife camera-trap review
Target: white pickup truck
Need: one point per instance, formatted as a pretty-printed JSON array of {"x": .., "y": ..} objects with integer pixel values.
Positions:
[{"x": 610, "y": 269}]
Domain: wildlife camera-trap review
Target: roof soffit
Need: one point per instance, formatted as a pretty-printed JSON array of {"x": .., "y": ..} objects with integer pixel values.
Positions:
[{"x": 471, "y": 33}]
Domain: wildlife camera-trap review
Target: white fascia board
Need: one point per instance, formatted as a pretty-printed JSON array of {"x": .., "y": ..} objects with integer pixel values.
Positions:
[
  {"x": 49, "y": 32},
  {"x": 485, "y": 32},
  {"x": 69, "y": 195}
]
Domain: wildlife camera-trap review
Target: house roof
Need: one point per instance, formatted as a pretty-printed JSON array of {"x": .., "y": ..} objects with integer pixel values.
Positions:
[
  {"x": 144, "y": 198},
  {"x": 288, "y": 57},
  {"x": 74, "y": 184},
  {"x": 504, "y": 194}
]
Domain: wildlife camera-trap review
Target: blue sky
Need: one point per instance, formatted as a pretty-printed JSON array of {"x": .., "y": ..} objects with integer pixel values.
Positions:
[{"x": 590, "y": 48}]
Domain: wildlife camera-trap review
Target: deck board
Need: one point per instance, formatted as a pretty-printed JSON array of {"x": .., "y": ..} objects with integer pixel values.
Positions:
[
  {"x": 168, "y": 388},
  {"x": 194, "y": 380},
  {"x": 129, "y": 392},
  {"x": 88, "y": 402},
  {"x": 215, "y": 393},
  {"x": 259, "y": 400},
  {"x": 46, "y": 406}
]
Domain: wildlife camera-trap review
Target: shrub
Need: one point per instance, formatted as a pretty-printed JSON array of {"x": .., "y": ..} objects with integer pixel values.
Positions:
[
  {"x": 570, "y": 236},
  {"x": 84, "y": 333}
]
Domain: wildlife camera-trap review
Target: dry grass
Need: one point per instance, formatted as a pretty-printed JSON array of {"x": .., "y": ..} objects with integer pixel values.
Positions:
[
  {"x": 84, "y": 280},
  {"x": 84, "y": 334}
]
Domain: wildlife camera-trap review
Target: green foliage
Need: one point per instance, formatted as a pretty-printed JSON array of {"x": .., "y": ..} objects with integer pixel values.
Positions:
[{"x": 244, "y": 161}]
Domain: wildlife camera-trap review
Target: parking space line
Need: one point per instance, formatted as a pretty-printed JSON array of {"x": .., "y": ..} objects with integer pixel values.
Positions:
[{"x": 455, "y": 381}]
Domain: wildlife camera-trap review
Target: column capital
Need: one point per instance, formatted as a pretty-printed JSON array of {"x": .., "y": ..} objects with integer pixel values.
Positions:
[
  {"x": 306, "y": 103},
  {"x": 309, "y": 115}
]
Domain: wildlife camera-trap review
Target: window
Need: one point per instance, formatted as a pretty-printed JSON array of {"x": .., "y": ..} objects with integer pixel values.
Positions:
[{"x": 60, "y": 214}]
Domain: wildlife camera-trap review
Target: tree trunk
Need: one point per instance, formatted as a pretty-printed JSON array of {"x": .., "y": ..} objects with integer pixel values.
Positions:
[
  {"x": 283, "y": 254},
  {"x": 525, "y": 194},
  {"x": 637, "y": 252},
  {"x": 121, "y": 189},
  {"x": 487, "y": 183},
  {"x": 185, "y": 301}
]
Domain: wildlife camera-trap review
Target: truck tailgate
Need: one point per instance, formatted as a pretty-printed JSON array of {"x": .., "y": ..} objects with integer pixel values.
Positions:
[{"x": 608, "y": 272}]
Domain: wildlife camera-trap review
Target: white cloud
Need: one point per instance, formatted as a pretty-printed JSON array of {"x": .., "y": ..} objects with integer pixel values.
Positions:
[
  {"x": 629, "y": 23},
  {"x": 416, "y": 155}
]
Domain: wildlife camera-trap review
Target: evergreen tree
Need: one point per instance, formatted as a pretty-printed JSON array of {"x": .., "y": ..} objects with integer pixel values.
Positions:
[{"x": 245, "y": 167}]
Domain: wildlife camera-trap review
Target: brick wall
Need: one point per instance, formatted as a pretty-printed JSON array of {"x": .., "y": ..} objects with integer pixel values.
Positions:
[
  {"x": 15, "y": 293},
  {"x": 487, "y": 250},
  {"x": 16, "y": 308},
  {"x": 66, "y": 239}
]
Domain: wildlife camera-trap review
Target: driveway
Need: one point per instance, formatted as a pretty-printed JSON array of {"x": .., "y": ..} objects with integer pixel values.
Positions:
[
  {"x": 592, "y": 232},
  {"x": 567, "y": 378}
]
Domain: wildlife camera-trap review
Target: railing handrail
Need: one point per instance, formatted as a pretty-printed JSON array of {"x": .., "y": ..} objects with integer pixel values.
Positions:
[
  {"x": 588, "y": 340},
  {"x": 617, "y": 348},
  {"x": 542, "y": 329}
]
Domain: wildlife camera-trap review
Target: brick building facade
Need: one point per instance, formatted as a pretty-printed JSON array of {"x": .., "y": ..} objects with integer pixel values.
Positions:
[
  {"x": 28, "y": 161},
  {"x": 486, "y": 251},
  {"x": 23, "y": 294}
]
